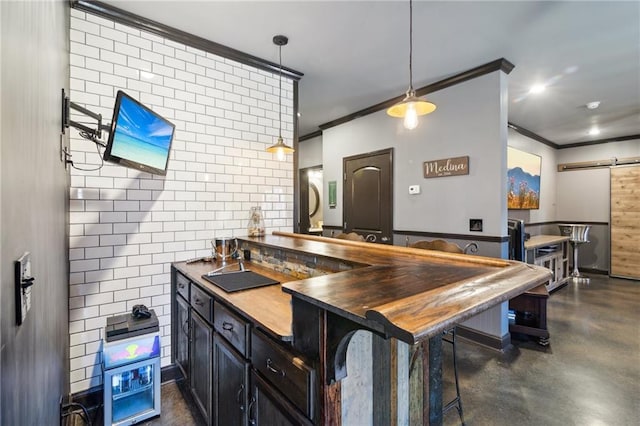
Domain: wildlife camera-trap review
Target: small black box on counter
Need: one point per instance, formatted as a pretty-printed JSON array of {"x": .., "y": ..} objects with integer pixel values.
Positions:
[{"x": 126, "y": 325}]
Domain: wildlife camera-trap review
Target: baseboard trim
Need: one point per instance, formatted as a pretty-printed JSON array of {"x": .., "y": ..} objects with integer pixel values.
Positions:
[
  {"x": 593, "y": 271},
  {"x": 484, "y": 339},
  {"x": 170, "y": 373}
]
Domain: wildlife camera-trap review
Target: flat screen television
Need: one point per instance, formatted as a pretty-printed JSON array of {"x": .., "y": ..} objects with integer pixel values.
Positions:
[
  {"x": 517, "y": 238},
  {"x": 139, "y": 138}
]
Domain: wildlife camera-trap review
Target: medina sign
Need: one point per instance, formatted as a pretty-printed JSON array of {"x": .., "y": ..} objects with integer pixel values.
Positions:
[{"x": 446, "y": 167}]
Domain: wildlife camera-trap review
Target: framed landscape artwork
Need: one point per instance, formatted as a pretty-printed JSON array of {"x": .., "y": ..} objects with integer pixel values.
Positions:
[{"x": 523, "y": 179}]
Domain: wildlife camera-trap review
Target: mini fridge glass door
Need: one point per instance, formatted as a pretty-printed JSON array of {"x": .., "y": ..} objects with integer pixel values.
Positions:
[{"x": 132, "y": 392}]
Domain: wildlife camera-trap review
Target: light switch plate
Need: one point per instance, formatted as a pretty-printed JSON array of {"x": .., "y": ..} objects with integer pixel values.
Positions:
[{"x": 23, "y": 284}]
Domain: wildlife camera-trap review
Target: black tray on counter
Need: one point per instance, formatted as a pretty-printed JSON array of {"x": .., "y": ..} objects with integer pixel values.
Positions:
[{"x": 240, "y": 280}]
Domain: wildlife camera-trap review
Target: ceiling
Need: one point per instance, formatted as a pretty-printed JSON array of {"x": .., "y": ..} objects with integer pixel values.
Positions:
[{"x": 354, "y": 54}]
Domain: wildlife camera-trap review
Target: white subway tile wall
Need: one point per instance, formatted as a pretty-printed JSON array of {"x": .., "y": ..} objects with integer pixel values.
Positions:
[{"x": 126, "y": 227}]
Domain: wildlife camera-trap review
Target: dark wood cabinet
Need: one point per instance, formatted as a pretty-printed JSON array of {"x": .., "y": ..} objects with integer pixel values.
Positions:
[
  {"x": 284, "y": 371},
  {"x": 181, "y": 349},
  {"x": 269, "y": 407},
  {"x": 200, "y": 362},
  {"x": 236, "y": 375},
  {"x": 230, "y": 385}
]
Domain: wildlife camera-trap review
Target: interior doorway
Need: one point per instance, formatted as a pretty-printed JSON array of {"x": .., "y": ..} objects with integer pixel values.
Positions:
[
  {"x": 625, "y": 222},
  {"x": 311, "y": 198},
  {"x": 368, "y": 195}
]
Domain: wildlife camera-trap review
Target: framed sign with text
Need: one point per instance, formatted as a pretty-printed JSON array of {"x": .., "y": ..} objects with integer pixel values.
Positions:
[{"x": 446, "y": 167}]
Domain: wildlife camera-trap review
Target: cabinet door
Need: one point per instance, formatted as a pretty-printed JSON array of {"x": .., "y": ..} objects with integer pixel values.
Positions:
[
  {"x": 200, "y": 363},
  {"x": 182, "y": 335},
  {"x": 230, "y": 385},
  {"x": 269, "y": 407}
]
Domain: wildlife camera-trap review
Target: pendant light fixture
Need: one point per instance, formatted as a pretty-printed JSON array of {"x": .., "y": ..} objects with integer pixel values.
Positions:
[
  {"x": 280, "y": 148},
  {"x": 411, "y": 106}
]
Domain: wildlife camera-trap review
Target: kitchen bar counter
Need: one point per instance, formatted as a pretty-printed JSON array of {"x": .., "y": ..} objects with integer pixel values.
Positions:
[
  {"x": 412, "y": 294},
  {"x": 401, "y": 293},
  {"x": 267, "y": 307}
]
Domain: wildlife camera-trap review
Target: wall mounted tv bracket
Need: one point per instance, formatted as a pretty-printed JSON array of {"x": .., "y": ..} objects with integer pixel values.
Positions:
[{"x": 92, "y": 134}]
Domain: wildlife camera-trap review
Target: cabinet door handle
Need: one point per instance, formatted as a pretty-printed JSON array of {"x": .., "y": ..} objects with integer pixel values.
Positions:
[
  {"x": 186, "y": 322},
  {"x": 180, "y": 285},
  {"x": 198, "y": 302},
  {"x": 239, "y": 398},
  {"x": 252, "y": 420},
  {"x": 273, "y": 368},
  {"x": 227, "y": 326}
]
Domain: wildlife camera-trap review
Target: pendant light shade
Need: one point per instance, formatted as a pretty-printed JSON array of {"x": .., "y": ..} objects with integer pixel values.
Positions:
[
  {"x": 411, "y": 106},
  {"x": 280, "y": 148}
]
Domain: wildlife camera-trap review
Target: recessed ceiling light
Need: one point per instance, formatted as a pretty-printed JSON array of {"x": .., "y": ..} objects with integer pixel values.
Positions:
[
  {"x": 594, "y": 131},
  {"x": 593, "y": 105},
  {"x": 537, "y": 88}
]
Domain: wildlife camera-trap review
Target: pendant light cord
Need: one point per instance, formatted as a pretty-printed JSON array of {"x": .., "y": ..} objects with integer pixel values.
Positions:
[
  {"x": 280, "y": 93},
  {"x": 411, "y": 46}
]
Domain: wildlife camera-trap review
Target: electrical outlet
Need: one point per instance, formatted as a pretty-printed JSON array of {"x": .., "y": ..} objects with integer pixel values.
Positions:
[
  {"x": 414, "y": 189},
  {"x": 475, "y": 225}
]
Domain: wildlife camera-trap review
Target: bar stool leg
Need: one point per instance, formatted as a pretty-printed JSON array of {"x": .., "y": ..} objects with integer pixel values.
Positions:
[{"x": 457, "y": 401}]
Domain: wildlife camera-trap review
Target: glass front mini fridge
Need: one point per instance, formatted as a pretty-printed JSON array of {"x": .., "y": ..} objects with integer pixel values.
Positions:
[{"x": 131, "y": 379}]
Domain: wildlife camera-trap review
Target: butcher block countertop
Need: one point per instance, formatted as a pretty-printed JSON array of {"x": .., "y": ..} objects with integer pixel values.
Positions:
[
  {"x": 410, "y": 294},
  {"x": 268, "y": 307}
]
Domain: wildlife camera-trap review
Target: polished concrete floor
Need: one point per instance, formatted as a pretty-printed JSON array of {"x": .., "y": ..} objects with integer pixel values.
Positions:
[{"x": 588, "y": 375}]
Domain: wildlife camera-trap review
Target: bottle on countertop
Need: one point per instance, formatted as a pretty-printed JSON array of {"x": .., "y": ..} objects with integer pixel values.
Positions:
[{"x": 255, "y": 227}]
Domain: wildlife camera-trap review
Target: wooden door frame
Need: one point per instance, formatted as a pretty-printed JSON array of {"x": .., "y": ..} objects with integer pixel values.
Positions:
[
  {"x": 303, "y": 197},
  {"x": 388, "y": 151}
]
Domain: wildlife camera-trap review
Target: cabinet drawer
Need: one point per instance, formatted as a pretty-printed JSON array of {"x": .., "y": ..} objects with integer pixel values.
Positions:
[
  {"x": 231, "y": 327},
  {"x": 201, "y": 302},
  {"x": 287, "y": 372},
  {"x": 182, "y": 285}
]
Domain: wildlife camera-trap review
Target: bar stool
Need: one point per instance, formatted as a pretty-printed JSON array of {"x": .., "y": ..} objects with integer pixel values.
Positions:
[
  {"x": 578, "y": 234},
  {"x": 449, "y": 335}
]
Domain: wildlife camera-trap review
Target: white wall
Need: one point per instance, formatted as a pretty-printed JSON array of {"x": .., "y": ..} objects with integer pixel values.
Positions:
[
  {"x": 578, "y": 205},
  {"x": 127, "y": 226},
  {"x": 624, "y": 149},
  {"x": 470, "y": 120},
  {"x": 310, "y": 153}
]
